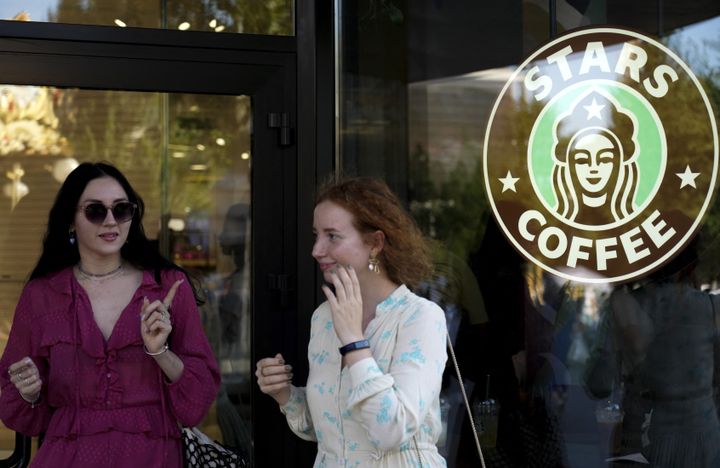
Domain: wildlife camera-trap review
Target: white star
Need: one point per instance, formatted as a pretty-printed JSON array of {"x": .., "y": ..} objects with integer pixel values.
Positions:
[
  {"x": 509, "y": 182},
  {"x": 688, "y": 177},
  {"x": 594, "y": 110}
]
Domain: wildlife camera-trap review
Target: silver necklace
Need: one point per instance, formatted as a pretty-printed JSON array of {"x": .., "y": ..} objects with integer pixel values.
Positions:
[{"x": 89, "y": 275}]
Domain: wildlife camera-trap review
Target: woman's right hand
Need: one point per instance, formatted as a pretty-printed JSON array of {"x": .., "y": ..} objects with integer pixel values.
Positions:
[
  {"x": 25, "y": 375},
  {"x": 274, "y": 378}
]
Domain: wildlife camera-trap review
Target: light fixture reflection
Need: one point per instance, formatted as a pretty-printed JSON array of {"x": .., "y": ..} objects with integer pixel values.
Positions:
[
  {"x": 200, "y": 147},
  {"x": 220, "y": 28},
  {"x": 176, "y": 224},
  {"x": 15, "y": 189},
  {"x": 220, "y": 141},
  {"x": 184, "y": 26},
  {"x": 198, "y": 167},
  {"x": 120, "y": 23},
  {"x": 245, "y": 155},
  {"x": 62, "y": 168},
  {"x": 213, "y": 23}
]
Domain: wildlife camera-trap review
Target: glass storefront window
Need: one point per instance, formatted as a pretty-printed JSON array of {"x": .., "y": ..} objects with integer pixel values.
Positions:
[
  {"x": 239, "y": 16},
  {"x": 189, "y": 157},
  {"x": 552, "y": 366}
]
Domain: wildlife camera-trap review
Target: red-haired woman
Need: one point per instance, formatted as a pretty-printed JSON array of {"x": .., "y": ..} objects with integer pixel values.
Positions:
[{"x": 377, "y": 351}]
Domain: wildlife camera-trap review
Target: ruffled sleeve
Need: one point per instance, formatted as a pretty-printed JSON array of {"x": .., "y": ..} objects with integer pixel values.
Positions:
[
  {"x": 193, "y": 393},
  {"x": 392, "y": 405},
  {"x": 297, "y": 410},
  {"x": 24, "y": 340}
]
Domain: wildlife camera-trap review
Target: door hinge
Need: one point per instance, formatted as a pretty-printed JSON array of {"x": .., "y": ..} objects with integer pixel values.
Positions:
[
  {"x": 281, "y": 121},
  {"x": 282, "y": 283}
]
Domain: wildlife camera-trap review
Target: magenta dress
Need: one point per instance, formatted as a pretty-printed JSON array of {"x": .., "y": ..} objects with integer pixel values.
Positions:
[{"x": 105, "y": 403}]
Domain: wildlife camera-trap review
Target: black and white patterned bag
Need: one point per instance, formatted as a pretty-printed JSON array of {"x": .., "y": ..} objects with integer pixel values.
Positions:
[{"x": 199, "y": 451}]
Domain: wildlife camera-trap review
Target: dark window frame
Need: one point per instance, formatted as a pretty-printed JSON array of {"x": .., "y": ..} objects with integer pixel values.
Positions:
[{"x": 100, "y": 57}]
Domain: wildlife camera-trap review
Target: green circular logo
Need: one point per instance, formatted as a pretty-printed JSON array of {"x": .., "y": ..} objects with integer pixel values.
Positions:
[{"x": 592, "y": 160}]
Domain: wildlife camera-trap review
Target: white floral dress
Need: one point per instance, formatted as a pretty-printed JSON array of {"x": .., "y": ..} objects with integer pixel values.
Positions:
[{"x": 383, "y": 411}]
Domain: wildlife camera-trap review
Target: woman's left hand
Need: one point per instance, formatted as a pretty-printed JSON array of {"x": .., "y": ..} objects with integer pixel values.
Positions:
[
  {"x": 155, "y": 323},
  {"x": 346, "y": 304}
]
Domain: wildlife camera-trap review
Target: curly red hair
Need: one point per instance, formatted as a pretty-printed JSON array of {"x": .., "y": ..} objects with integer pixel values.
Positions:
[{"x": 374, "y": 207}]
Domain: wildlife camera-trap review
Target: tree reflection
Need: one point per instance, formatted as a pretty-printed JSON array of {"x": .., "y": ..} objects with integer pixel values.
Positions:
[{"x": 240, "y": 16}]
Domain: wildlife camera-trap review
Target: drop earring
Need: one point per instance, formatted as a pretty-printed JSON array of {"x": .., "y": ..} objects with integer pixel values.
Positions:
[
  {"x": 72, "y": 239},
  {"x": 374, "y": 265}
]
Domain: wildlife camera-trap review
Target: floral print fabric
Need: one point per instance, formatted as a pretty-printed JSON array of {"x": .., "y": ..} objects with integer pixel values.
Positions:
[{"x": 383, "y": 411}]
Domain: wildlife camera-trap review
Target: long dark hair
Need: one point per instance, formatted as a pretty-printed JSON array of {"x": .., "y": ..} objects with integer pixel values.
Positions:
[{"x": 58, "y": 253}]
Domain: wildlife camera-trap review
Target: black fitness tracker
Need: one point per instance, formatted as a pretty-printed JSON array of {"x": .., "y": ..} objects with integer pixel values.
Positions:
[{"x": 362, "y": 344}]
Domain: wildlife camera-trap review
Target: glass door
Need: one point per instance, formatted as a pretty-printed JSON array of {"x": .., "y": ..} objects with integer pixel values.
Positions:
[{"x": 200, "y": 152}]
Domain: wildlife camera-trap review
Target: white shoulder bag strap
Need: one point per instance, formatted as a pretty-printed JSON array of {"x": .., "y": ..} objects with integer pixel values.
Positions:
[
  {"x": 467, "y": 407},
  {"x": 467, "y": 403}
]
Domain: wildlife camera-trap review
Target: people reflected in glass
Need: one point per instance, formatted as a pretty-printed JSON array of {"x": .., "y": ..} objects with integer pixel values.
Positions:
[
  {"x": 454, "y": 288},
  {"x": 659, "y": 353},
  {"x": 232, "y": 307},
  {"x": 234, "y": 402}
]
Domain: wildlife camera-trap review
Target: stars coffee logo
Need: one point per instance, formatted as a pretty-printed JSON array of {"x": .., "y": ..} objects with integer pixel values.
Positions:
[{"x": 601, "y": 156}]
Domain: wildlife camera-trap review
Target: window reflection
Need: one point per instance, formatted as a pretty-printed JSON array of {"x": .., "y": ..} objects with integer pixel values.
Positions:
[
  {"x": 528, "y": 343},
  {"x": 654, "y": 363},
  {"x": 189, "y": 156},
  {"x": 238, "y": 16}
]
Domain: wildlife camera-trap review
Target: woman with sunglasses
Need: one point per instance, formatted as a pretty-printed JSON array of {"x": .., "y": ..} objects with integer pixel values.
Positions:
[{"x": 106, "y": 355}]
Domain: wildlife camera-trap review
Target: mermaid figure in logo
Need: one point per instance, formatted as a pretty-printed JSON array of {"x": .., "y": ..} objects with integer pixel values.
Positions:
[{"x": 595, "y": 171}]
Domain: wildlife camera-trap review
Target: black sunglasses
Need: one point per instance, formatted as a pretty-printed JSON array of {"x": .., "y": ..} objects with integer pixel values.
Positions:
[{"x": 97, "y": 212}]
